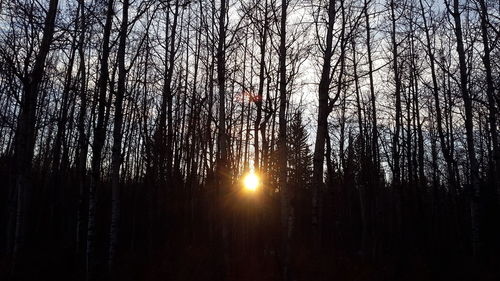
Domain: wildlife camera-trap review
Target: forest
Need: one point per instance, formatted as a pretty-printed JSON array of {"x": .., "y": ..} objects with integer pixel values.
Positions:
[{"x": 249, "y": 140}]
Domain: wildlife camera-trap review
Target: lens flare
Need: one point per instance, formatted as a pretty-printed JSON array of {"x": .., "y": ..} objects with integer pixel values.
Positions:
[{"x": 251, "y": 181}]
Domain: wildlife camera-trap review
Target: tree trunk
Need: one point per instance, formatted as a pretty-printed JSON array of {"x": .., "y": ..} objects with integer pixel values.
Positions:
[
  {"x": 322, "y": 130},
  {"x": 396, "y": 177},
  {"x": 286, "y": 218},
  {"x": 81, "y": 158},
  {"x": 258, "y": 99},
  {"x": 116, "y": 150},
  {"x": 98, "y": 144},
  {"x": 25, "y": 134},
  {"x": 469, "y": 131},
  {"x": 374, "y": 140},
  {"x": 223, "y": 173}
]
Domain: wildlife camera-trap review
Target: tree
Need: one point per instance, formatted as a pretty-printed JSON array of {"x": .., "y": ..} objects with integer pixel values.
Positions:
[
  {"x": 31, "y": 78},
  {"x": 98, "y": 142},
  {"x": 469, "y": 128},
  {"x": 116, "y": 158},
  {"x": 286, "y": 224}
]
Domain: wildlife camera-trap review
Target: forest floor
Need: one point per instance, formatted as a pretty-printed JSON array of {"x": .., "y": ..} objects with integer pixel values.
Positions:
[
  {"x": 252, "y": 255},
  {"x": 200, "y": 262}
]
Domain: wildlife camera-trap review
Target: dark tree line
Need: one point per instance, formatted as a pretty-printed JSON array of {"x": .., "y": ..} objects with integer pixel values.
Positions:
[{"x": 126, "y": 127}]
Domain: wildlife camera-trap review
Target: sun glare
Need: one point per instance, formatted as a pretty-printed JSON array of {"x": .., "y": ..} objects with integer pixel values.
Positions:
[{"x": 251, "y": 181}]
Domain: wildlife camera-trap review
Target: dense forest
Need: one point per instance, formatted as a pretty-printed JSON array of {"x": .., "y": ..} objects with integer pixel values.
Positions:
[{"x": 129, "y": 130}]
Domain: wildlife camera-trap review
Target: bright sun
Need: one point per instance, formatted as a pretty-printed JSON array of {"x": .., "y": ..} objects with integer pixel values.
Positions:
[{"x": 251, "y": 181}]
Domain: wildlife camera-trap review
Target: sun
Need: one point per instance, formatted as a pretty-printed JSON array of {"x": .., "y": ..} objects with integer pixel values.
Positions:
[{"x": 251, "y": 181}]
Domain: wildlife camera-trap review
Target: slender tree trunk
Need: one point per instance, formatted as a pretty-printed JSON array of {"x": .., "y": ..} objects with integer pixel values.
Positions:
[
  {"x": 81, "y": 158},
  {"x": 469, "y": 131},
  {"x": 374, "y": 138},
  {"x": 116, "y": 150},
  {"x": 98, "y": 143},
  {"x": 222, "y": 173},
  {"x": 374, "y": 146},
  {"x": 258, "y": 99},
  {"x": 286, "y": 218},
  {"x": 322, "y": 130},
  {"x": 397, "y": 93}
]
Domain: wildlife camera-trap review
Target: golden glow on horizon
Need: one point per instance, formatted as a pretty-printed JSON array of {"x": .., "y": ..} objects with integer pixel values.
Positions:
[{"x": 251, "y": 181}]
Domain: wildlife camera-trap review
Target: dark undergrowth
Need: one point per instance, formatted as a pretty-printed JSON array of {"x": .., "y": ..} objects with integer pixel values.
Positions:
[{"x": 200, "y": 260}]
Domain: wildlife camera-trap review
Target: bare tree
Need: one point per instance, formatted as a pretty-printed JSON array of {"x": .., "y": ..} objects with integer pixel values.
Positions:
[
  {"x": 469, "y": 128},
  {"x": 31, "y": 78},
  {"x": 98, "y": 142}
]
